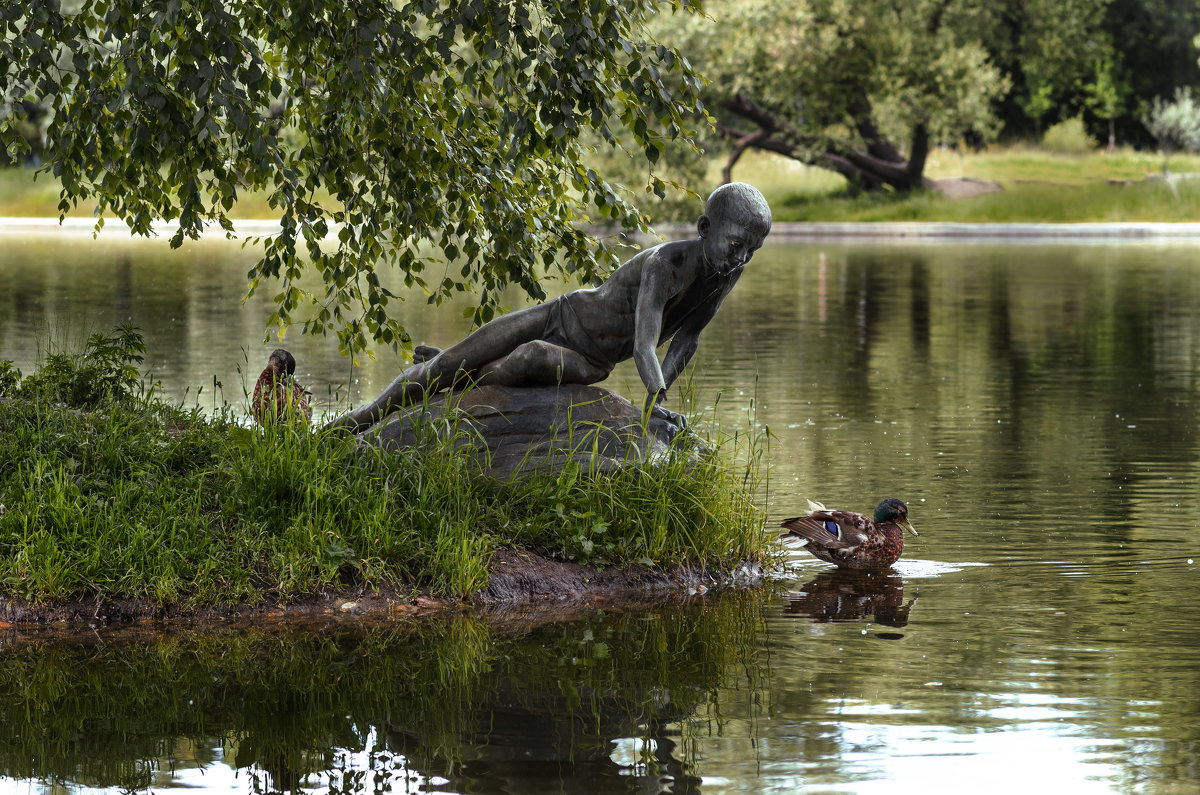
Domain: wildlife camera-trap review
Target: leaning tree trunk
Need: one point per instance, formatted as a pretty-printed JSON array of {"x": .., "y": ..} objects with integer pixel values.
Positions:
[{"x": 876, "y": 166}]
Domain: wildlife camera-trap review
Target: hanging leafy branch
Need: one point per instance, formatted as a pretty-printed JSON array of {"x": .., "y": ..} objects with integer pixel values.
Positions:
[{"x": 452, "y": 127}]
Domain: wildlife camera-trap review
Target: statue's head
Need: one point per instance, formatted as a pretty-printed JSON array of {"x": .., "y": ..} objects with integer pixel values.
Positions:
[{"x": 736, "y": 220}]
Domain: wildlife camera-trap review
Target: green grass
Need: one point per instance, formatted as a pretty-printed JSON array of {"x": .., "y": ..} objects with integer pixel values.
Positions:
[
  {"x": 1038, "y": 187},
  {"x": 124, "y": 496},
  {"x": 24, "y": 195},
  {"x": 1019, "y": 203}
]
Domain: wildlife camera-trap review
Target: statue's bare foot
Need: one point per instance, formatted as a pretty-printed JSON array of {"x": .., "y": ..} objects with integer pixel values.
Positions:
[
  {"x": 359, "y": 419},
  {"x": 423, "y": 353}
]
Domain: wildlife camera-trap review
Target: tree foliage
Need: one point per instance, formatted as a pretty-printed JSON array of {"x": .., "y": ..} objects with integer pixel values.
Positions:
[
  {"x": 1153, "y": 45},
  {"x": 863, "y": 87},
  {"x": 1175, "y": 124},
  {"x": 398, "y": 128},
  {"x": 1106, "y": 94},
  {"x": 1106, "y": 59},
  {"x": 1048, "y": 48},
  {"x": 841, "y": 83}
]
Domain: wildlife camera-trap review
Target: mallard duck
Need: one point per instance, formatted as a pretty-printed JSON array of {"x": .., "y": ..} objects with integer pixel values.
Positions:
[
  {"x": 276, "y": 394},
  {"x": 851, "y": 540}
]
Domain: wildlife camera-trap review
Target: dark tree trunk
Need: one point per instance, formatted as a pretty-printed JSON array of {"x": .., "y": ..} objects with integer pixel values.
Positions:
[
  {"x": 877, "y": 166},
  {"x": 739, "y": 148}
]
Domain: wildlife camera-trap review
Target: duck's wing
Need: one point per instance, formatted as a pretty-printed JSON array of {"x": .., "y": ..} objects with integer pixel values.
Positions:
[
  {"x": 830, "y": 529},
  {"x": 263, "y": 403}
]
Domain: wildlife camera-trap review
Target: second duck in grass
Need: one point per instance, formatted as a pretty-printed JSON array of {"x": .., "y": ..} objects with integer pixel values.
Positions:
[
  {"x": 277, "y": 396},
  {"x": 851, "y": 540}
]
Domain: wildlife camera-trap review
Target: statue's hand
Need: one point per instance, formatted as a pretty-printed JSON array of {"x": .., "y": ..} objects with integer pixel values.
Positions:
[
  {"x": 658, "y": 411},
  {"x": 665, "y": 414}
]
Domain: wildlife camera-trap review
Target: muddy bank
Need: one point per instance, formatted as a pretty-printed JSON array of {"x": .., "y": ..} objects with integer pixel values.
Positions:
[{"x": 523, "y": 587}]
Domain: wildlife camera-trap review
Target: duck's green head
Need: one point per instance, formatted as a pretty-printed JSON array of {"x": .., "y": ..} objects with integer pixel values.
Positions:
[{"x": 893, "y": 510}]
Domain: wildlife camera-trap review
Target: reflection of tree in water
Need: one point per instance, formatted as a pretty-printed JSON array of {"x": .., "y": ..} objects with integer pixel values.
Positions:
[
  {"x": 588, "y": 706},
  {"x": 566, "y": 707},
  {"x": 522, "y": 741},
  {"x": 1014, "y": 363},
  {"x": 842, "y": 595}
]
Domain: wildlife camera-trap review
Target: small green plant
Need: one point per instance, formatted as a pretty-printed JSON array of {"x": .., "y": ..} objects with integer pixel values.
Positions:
[
  {"x": 10, "y": 378},
  {"x": 105, "y": 371},
  {"x": 691, "y": 503},
  {"x": 1068, "y": 137}
]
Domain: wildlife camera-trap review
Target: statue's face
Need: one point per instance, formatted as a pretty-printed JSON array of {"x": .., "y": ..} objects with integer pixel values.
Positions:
[{"x": 728, "y": 243}]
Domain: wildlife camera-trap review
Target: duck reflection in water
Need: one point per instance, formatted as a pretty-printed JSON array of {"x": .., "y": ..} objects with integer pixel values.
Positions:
[{"x": 846, "y": 595}]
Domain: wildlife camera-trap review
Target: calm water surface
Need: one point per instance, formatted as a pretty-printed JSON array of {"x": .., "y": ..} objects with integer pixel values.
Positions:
[{"x": 1036, "y": 406}]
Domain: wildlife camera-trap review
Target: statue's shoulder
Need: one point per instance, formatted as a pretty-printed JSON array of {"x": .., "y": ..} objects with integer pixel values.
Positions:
[{"x": 672, "y": 252}]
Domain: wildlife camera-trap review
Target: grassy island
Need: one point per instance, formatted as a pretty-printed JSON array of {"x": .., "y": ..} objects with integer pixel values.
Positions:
[{"x": 111, "y": 493}]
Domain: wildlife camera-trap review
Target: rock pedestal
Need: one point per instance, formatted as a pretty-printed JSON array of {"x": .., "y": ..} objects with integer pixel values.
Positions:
[{"x": 523, "y": 429}]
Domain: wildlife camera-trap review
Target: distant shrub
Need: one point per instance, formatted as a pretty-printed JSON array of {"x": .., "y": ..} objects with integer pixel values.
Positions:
[
  {"x": 1175, "y": 125},
  {"x": 1068, "y": 138}
]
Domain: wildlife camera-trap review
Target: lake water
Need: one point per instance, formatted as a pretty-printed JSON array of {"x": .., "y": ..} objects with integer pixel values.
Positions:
[{"x": 1035, "y": 405}]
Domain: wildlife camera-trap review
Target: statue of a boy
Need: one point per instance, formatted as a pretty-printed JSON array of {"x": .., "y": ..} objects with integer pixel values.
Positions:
[{"x": 668, "y": 292}]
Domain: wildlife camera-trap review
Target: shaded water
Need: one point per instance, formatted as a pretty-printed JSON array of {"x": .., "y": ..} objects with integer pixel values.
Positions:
[{"x": 1034, "y": 404}]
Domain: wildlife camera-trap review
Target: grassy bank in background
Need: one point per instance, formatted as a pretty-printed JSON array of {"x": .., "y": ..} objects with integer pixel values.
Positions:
[
  {"x": 111, "y": 493},
  {"x": 24, "y": 196},
  {"x": 1039, "y": 186},
  {"x": 1152, "y": 201}
]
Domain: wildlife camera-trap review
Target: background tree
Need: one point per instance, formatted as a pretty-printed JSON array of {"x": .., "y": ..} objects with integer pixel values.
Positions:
[
  {"x": 457, "y": 128},
  {"x": 1056, "y": 54},
  {"x": 1048, "y": 49},
  {"x": 1106, "y": 95},
  {"x": 1175, "y": 124},
  {"x": 1158, "y": 54},
  {"x": 861, "y": 87}
]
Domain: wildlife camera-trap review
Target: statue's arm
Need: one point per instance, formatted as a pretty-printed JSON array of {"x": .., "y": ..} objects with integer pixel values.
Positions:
[
  {"x": 657, "y": 288},
  {"x": 653, "y": 293},
  {"x": 687, "y": 339},
  {"x": 683, "y": 348}
]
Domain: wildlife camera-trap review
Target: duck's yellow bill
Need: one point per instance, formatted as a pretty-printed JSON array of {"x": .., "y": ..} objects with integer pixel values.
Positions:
[{"x": 908, "y": 525}]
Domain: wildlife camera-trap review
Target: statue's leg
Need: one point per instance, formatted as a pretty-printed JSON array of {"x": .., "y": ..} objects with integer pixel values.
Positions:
[
  {"x": 490, "y": 342},
  {"x": 540, "y": 363}
]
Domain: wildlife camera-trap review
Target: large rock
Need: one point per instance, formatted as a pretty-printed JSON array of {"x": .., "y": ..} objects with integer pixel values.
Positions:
[{"x": 519, "y": 429}]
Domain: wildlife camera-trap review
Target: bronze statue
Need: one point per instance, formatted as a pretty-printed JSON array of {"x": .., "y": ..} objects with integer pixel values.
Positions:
[{"x": 668, "y": 292}]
